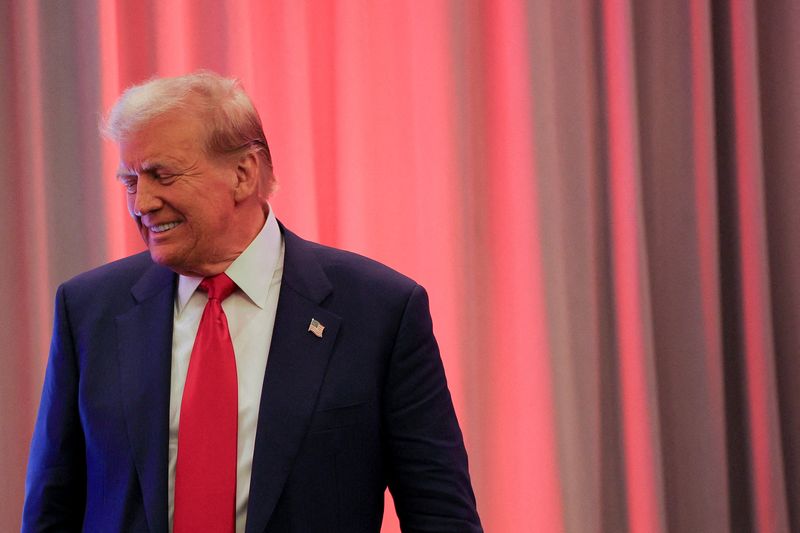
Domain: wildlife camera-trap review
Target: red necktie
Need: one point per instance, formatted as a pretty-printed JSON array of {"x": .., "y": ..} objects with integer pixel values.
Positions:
[{"x": 205, "y": 473}]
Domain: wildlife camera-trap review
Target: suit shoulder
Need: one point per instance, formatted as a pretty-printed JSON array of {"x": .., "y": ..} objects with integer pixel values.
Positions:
[
  {"x": 119, "y": 273},
  {"x": 351, "y": 268}
]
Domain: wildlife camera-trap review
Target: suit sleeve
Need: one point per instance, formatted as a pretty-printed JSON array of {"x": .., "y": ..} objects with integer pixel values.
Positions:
[
  {"x": 55, "y": 488},
  {"x": 427, "y": 462}
]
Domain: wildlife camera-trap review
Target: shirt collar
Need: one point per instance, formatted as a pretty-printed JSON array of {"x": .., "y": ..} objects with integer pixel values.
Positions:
[{"x": 252, "y": 271}]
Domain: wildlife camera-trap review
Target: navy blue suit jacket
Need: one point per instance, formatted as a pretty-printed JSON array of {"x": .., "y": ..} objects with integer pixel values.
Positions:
[{"x": 341, "y": 416}]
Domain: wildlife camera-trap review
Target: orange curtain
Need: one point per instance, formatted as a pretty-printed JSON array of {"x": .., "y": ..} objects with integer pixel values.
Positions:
[{"x": 600, "y": 198}]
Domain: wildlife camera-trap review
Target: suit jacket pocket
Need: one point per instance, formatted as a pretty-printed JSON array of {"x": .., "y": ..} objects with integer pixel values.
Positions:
[{"x": 332, "y": 429}]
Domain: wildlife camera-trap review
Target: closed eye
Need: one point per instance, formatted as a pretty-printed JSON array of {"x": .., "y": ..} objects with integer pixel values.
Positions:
[
  {"x": 156, "y": 172},
  {"x": 129, "y": 182},
  {"x": 166, "y": 178}
]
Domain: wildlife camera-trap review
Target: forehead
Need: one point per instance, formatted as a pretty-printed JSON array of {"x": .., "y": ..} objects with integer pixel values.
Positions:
[{"x": 174, "y": 134}]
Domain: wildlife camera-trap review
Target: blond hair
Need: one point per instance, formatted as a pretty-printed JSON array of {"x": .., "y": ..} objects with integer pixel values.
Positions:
[{"x": 232, "y": 121}]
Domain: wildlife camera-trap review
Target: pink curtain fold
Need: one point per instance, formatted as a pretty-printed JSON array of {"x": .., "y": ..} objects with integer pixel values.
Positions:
[{"x": 600, "y": 198}]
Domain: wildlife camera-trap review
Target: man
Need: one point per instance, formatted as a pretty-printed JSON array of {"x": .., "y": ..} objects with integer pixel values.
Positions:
[{"x": 236, "y": 377}]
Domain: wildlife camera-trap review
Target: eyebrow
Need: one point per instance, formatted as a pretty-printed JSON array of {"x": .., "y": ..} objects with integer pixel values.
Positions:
[{"x": 125, "y": 172}]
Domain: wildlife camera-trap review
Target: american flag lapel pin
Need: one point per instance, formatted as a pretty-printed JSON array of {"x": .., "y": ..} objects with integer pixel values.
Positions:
[{"x": 316, "y": 328}]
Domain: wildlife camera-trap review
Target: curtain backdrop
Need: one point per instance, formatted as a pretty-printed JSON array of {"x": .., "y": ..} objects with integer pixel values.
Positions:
[{"x": 600, "y": 196}]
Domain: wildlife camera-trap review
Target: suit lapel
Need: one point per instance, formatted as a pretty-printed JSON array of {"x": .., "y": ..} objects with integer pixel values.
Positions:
[
  {"x": 295, "y": 370},
  {"x": 145, "y": 348}
]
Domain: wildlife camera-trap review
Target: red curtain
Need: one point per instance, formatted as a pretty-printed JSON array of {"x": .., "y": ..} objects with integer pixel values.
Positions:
[{"x": 599, "y": 196}]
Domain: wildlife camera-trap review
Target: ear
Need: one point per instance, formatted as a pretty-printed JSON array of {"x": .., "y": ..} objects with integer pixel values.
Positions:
[{"x": 248, "y": 171}]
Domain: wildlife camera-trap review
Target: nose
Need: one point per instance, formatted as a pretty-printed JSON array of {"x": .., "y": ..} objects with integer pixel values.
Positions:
[{"x": 146, "y": 200}]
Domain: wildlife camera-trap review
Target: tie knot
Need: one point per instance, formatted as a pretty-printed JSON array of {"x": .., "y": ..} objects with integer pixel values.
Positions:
[{"x": 218, "y": 287}]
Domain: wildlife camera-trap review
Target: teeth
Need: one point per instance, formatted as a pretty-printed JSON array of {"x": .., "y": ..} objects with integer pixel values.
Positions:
[{"x": 163, "y": 227}]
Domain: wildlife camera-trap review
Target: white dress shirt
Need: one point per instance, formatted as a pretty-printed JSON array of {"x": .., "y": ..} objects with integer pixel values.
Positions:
[{"x": 250, "y": 311}]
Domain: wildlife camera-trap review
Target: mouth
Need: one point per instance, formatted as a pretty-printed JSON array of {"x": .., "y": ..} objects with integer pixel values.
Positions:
[{"x": 161, "y": 228}]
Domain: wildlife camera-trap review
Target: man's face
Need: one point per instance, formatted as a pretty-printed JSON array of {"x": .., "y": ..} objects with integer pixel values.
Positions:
[{"x": 181, "y": 199}]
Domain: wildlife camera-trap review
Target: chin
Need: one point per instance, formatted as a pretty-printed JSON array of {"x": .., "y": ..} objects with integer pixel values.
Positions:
[
  {"x": 163, "y": 257},
  {"x": 173, "y": 261},
  {"x": 159, "y": 258}
]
